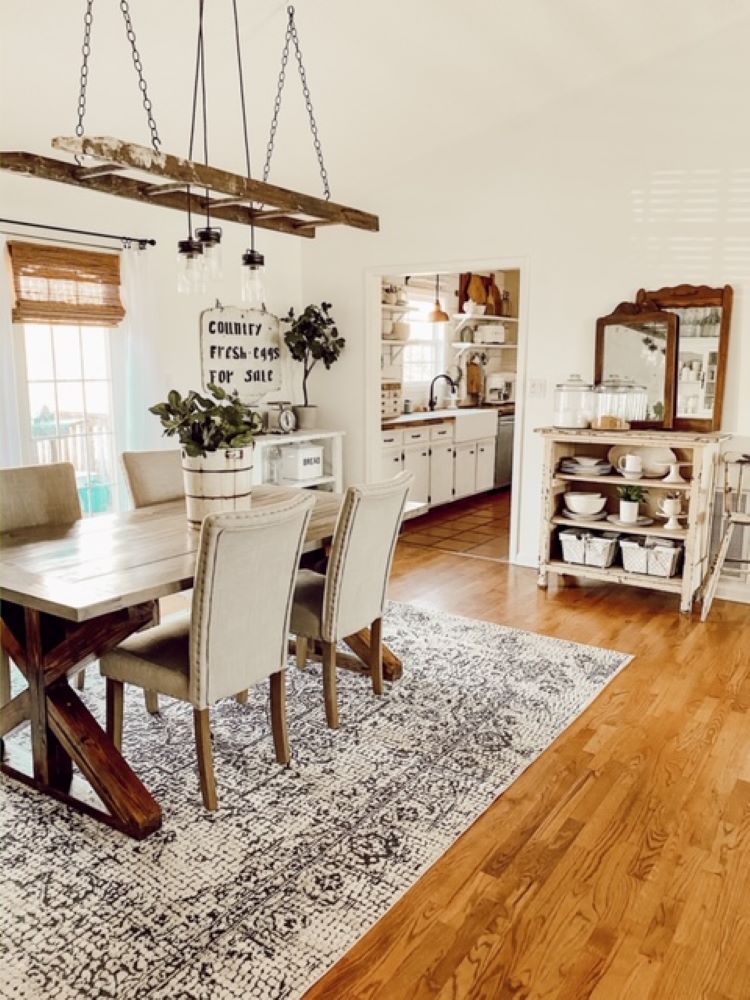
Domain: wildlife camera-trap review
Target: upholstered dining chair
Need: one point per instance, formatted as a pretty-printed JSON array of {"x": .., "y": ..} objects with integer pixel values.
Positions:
[
  {"x": 32, "y": 496},
  {"x": 154, "y": 476},
  {"x": 351, "y": 594},
  {"x": 236, "y": 634}
]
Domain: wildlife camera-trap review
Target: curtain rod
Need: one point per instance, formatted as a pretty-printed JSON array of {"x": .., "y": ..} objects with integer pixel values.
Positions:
[{"x": 141, "y": 241}]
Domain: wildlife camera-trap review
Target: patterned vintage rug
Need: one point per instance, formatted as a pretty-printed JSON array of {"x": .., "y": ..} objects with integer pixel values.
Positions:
[{"x": 259, "y": 899}]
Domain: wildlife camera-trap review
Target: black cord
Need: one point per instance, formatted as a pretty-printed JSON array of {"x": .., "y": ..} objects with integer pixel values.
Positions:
[
  {"x": 198, "y": 70},
  {"x": 205, "y": 111},
  {"x": 244, "y": 109}
]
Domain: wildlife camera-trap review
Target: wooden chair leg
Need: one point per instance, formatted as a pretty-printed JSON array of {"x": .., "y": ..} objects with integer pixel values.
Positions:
[
  {"x": 301, "y": 642},
  {"x": 152, "y": 702},
  {"x": 376, "y": 655},
  {"x": 241, "y": 698},
  {"x": 278, "y": 717},
  {"x": 80, "y": 679},
  {"x": 329, "y": 684},
  {"x": 115, "y": 691},
  {"x": 4, "y": 678},
  {"x": 202, "y": 725}
]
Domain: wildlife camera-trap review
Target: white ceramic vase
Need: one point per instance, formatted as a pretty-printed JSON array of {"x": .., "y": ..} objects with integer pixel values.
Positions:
[{"x": 628, "y": 511}]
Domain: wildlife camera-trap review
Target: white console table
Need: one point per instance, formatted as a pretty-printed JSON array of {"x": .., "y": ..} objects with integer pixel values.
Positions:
[
  {"x": 333, "y": 467},
  {"x": 701, "y": 451}
]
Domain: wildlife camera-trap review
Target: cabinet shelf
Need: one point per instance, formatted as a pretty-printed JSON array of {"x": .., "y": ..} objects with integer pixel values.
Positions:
[
  {"x": 654, "y": 531},
  {"x": 621, "y": 481},
  {"x": 615, "y": 574},
  {"x": 303, "y": 483},
  {"x": 465, "y": 345},
  {"x": 484, "y": 319}
]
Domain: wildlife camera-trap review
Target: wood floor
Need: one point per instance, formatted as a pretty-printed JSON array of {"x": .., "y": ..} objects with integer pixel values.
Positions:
[{"x": 618, "y": 866}]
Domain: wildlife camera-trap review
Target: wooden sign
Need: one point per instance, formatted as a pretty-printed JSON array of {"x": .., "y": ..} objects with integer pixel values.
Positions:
[{"x": 242, "y": 349}]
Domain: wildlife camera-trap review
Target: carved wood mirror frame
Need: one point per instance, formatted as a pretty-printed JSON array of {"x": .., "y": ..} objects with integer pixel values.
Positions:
[
  {"x": 684, "y": 297},
  {"x": 630, "y": 314}
]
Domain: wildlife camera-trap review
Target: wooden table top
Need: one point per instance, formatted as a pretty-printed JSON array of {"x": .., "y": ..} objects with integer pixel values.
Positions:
[{"x": 101, "y": 564}]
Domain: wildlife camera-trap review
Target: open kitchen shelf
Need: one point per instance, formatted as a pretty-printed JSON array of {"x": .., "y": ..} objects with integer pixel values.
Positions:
[
  {"x": 652, "y": 530},
  {"x": 616, "y": 574},
  {"x": 472, "y": 318},
  {"x": 465, "y": 345},
  {"x": 304, "y": 483},
  {"x": 616, "y": 480}
]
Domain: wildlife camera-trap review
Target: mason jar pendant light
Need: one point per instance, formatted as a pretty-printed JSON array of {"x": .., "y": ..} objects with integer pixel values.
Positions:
[{"x": 199, "y": 255}]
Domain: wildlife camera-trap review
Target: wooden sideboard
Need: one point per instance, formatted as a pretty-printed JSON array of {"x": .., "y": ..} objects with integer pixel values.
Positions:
[{"x": 701, "y": 451}]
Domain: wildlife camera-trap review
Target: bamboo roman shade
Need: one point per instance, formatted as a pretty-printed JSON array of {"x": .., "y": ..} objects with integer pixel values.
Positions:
[{"x": 62, "y": 285}]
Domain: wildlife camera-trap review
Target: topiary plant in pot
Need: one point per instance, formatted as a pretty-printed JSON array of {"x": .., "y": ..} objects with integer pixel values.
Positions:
[
  {"x": 216, "y": 433},
  {"x": 312, "y": 337},
  {"x": 630, "y": 497}
]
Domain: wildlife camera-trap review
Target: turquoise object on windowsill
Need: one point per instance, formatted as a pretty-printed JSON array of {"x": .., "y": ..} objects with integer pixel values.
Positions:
[{"x": 96, "y": 498}]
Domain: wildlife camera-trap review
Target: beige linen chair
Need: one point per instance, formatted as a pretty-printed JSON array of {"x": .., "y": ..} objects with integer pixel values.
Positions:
[
  {"x": 351, "y": 595},
  {"x": 33, "y": 496},
  {"x": 237, "y": 634},
  {"x": 154, "y": 476}
]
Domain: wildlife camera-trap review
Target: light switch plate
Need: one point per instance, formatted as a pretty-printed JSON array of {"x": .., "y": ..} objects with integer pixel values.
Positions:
[{"x": 537, "y": 388}]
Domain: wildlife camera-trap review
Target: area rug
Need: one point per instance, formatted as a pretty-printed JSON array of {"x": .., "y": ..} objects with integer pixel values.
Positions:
[{"x": 259, "y": 899}]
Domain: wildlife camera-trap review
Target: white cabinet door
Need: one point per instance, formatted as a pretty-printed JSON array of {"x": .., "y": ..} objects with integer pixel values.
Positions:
[
  {"x": 466, "y": 469},
  {"x": 485, "y": 465},
  {"x": 441, "y": 472},
  {"x": 417, "y": 461},
  {"x": 391, "y": 462}
]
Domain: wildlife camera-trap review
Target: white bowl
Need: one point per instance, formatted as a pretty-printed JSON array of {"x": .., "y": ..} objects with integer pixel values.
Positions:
[
  {"x": 587, "y": 461},
  {"x": 585, "y": 503}
]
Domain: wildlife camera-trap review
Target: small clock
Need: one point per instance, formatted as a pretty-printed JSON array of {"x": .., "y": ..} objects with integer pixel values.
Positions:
[{"x": 281, "y": 419}]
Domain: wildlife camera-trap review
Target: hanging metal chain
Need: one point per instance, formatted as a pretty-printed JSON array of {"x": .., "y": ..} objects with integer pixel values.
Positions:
[
  {"x": 155, "y": 140},
  {"x": 291, "y": 36},
  {"x": 88, "y": 20}
]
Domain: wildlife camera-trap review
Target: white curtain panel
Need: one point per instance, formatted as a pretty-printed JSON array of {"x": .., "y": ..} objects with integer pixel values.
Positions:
[
  {"x": 10, "y": 428},
  {"x": 135, "y": 381}
]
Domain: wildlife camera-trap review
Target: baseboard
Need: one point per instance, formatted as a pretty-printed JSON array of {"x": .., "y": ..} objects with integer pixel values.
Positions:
[
  {"x": 733, "y": 590},
  {"x": 524, "y": 559}
]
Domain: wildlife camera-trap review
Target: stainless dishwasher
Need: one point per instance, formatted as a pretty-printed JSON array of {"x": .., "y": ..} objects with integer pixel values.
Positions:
[{"x": 504, "y": 449}]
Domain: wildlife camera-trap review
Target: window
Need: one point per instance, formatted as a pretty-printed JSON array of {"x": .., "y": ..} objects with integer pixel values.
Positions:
[
  {"x": 424, "y": 352},
  {"x": 66, "y": 302},
  {"x": 68, "y": 394}
]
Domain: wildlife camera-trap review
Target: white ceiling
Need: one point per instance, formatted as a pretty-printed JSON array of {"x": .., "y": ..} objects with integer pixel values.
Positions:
[{"x": 391, "y": 81}]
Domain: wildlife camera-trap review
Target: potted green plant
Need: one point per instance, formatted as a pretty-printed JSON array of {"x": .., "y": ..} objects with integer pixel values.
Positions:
[
  {"x": 312, "y": 337},
  {"x": 630, "y": 497},
  {"x": 216, "y": 433}
]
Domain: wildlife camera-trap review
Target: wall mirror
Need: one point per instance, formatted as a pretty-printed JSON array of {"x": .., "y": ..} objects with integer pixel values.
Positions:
[
  {"x": 640, "y": 345},
  {"x": 702, "y": 344}
]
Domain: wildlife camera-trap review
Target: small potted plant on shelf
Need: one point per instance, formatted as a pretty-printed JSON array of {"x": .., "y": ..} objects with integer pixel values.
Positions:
[
  {"x": 216, "y": 433},
  {"x": 312, "y": 337},
  {"x": 630, "y": 497}
]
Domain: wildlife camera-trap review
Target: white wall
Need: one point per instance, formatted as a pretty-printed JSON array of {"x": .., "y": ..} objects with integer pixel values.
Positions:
[{"x": 643, "y": 180}]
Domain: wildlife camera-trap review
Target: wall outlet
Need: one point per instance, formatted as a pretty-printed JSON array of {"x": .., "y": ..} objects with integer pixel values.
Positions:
[{"x": 537, "y": 388}]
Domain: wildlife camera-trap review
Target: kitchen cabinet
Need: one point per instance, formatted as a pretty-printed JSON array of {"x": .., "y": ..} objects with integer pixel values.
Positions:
[
  {"x": 485, "y": 476},
  {"x": 465, "y": 474},
  {"x": 392, "y": 462},
  {"x": 441, "y": 472},
  {"x": 416, "y": 459}
]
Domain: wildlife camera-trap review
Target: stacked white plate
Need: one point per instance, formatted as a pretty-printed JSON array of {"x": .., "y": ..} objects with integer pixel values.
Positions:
[{"x": 573, "y": 467}]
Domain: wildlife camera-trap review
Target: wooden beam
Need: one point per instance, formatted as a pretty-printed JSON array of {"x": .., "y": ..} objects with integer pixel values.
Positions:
[
  {"x": 47, "y": 168},
  {"x": 14, "y": 713},
  {"x": 84, "y": 173},
  {"x": 175, "y": 168}
]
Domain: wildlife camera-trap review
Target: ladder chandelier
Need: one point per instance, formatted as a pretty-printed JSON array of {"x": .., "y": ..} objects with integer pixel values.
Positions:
[{"x": 199, "y": 189}]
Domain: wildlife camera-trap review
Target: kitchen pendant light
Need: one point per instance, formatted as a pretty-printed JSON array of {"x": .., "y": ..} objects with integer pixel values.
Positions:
[
  {"x": 437, "y": 314},
  {"x": 251, "y": 284}
]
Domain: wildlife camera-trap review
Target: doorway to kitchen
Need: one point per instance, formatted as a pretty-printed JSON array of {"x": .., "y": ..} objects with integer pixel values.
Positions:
[{"x": 451, "y": 345}]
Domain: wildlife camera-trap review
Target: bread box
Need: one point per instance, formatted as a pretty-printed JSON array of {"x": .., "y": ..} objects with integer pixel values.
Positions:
[{"x": 302, "y": 461}]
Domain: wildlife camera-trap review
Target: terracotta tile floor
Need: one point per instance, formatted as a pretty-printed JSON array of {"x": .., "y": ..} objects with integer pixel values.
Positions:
[{"x": 478, "y": 526}]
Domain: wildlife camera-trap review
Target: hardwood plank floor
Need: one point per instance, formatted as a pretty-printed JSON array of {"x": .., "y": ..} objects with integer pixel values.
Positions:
[{"x": 618, "y": 866}]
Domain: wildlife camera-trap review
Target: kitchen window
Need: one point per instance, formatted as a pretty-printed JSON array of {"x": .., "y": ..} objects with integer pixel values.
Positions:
[{"x": 424, "y": 351}]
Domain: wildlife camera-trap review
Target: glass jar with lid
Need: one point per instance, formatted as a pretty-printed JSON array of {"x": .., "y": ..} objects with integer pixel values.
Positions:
[
  {"x": 573, "y": 404},
  {"x": 621, "y": 398}
]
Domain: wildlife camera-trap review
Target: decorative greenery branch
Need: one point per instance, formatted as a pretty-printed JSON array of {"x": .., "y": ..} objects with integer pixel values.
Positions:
[
  {"x": 202, "y": 424},
  {"x": 635, "y": 494}
]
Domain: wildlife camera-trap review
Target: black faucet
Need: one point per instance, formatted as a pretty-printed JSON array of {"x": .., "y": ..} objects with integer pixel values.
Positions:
[{"x": 448, "y": 379}]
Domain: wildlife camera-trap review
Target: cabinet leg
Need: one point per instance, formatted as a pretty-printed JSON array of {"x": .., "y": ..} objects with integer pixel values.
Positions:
[{"x": 542, "y": 580}]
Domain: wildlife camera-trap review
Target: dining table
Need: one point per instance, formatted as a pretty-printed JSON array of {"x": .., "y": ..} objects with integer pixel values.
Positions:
[{"x": 71, "y": 593}]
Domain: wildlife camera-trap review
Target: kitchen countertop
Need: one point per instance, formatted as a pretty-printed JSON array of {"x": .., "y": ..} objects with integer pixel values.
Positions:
[{"x": 425, "y": 417}]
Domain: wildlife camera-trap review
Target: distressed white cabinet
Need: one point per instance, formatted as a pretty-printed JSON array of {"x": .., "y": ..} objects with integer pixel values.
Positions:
[
  {"x": 465, "y": 479},
  {"x": 485, "y": 465},
  {"x": 417, "y": 461},
  {"x": 392, "y": 460},
  {"x": 441, "y": 472}
]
